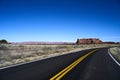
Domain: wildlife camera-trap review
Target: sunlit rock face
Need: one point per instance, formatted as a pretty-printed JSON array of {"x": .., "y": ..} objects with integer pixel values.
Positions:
[{"x": 89, "y": 41}]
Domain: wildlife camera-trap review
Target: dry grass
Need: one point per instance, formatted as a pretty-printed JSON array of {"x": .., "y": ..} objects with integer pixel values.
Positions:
[
  {"x": 14, "y": 53},
  {"x": 115, "y": 52}
]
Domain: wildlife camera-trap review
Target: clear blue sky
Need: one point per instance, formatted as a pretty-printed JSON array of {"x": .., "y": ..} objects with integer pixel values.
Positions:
[{"x": 59, "y": 20}]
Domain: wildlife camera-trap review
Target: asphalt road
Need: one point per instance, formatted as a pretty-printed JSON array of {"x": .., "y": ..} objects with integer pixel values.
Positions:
[{"x": 96, "y": 66}]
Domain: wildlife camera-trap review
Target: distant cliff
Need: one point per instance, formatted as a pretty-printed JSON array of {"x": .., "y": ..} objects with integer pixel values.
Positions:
[
  {"x": 93, "y": 41},
  {"x": 89, "y": 41}
]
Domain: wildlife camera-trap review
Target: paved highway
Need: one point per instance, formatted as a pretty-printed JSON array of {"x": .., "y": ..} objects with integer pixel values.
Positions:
[{"x": 93, "y": 64}]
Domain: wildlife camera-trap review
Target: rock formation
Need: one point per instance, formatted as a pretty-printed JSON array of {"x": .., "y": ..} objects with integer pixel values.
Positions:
[{"x": 89, "y": 41}]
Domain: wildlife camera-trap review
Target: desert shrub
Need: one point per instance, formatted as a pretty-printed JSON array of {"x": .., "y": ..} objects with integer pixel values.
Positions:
[
  {"x": 46, "y": 48},
  {"x": 69, "y": 48},
  {"x": 21, "y": 47},
  {"x": 39, "y": 53},
  {"x": 118, "y": 50},
  {"x": 3, "y": 41},
  {"x": 2, "y": 61},
  {"x": 7, "y": 58},
  {"x": 3, "y": 47},
  {"x": 29, "y": 54},
  {"x": 19, "y": 56},
  {"x": 115, "y": 52},
  {"x": 61, "y": 47},
  {"x": 6, "y": 63}
]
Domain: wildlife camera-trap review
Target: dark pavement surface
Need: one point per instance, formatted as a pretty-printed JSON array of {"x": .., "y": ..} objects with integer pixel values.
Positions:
[{"x": 97, "y": 66}]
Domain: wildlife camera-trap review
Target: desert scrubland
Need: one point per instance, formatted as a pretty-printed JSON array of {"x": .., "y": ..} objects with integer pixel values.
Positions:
[
  {"x": 115, "y": 51},
  {"x": 11, "y": 54}
]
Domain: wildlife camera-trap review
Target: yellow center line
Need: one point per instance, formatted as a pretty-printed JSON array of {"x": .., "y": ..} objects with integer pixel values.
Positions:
[{"x": 70, "y": 67}]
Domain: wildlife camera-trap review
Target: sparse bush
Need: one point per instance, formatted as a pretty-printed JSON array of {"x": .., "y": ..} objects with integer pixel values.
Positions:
[
  {"x": 69, "y": 48},
  {"x": 3, "y": 41},
  {"x": 17, "y": 53},
  {"x": 3, "y": 47},
  {"x": 21, "y": 47},
  {"x": 116, "y": 52}
]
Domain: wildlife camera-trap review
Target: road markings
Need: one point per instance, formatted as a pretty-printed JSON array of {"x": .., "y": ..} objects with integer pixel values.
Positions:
[{"x": 71, "y": 66}]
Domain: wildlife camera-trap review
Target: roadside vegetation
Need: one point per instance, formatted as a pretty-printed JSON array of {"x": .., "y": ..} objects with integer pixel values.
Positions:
[
  {"x": 17, "y": 53},
  {"x": 115, "y": 51},
  {"x": 3, "y": 41}
]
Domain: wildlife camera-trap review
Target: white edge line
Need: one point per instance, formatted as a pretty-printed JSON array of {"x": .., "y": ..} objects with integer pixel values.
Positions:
[{"x": 113, "y": 57}]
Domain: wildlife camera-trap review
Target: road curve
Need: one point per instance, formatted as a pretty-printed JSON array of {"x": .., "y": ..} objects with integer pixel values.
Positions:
[{"x": 85, "y": 65}]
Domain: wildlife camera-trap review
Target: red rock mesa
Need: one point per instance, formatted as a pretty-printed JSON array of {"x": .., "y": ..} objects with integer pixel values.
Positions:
[{"x": 89, "y": 41}]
